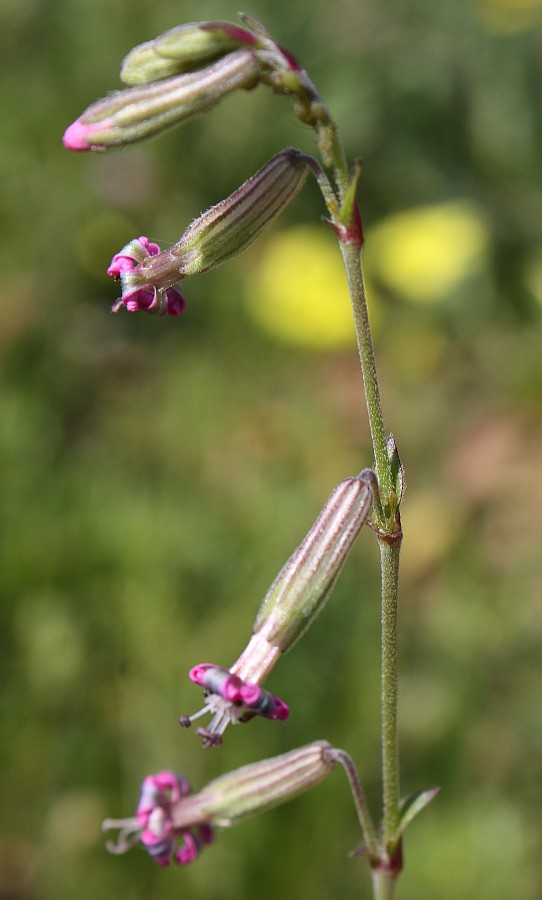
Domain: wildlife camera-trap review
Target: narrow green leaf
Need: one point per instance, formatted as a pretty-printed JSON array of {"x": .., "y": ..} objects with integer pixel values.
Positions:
[
  {"x": 410, "y": 807},
  {"x": 349, "y": 204},
  {"x": 397, "y": 470}
]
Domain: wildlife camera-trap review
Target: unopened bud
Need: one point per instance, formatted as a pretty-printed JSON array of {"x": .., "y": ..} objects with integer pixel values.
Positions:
[
  {"x": 302, "y": 587},
  {"x": 261, "y": 786},
  {"x": 141, "y": 112},
  {"x": 183, "y": 49}
]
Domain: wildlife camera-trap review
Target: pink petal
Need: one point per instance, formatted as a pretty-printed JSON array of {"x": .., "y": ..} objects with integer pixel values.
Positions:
[
  {"x": 175, "y": 302},
  {"x": 75, "y": 137}
]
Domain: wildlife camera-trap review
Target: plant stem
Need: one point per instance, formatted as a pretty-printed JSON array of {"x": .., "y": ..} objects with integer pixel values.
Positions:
[
  {"x": 351, "y": 253},
  {"x": 340, "y": 165},
  {"x": 383, "y": 877},
  {"x": 389, "y": 561},
  {"x": 389, "y": 533},
  {"x": 364, "y": 816},
  {"x": 352, "y": 263},
  {"x": 383, "y": 885}
]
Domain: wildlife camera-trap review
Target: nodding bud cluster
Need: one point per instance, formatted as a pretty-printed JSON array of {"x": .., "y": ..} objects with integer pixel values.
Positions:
[
  {"x": 189, "y": 69},
  {"x": 147, "y": 276},
  {"x": 291, "y": 604},
  {"x": 168, "y": 817}
]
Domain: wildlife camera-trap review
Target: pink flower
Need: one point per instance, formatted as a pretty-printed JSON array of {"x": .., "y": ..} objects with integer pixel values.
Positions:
[
  {"x": 173, "y": 824},
  {"x": 231, "y": 699},
  {"x": 153, "y": 824},
  {"x": 149, "y": 276},
  {"x": 293, "y": 601},
  {"x": 125, "y": 266},
  {"x": 126, "y": 261}
]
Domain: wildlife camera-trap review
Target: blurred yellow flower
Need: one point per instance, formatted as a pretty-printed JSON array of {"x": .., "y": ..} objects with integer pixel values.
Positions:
[
  {"x": 416, "y": 349},
  {"x": 298, "y": 292},
  {"x": 433, "y": 520},
  {"x": 422, "y": 254},
  {"x": 509, "y": 16}
]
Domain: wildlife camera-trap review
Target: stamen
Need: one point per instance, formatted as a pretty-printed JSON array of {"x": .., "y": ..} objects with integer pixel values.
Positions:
[
  {"x": 129, "y": 834},
  {"x": 209, "y": 739},
  {"x": 186, "y": 721}
]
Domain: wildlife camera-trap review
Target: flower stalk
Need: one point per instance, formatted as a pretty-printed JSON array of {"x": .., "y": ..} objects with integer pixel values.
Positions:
[
  {"x": 351, "y": 253},
  {"x": 389, "y": 555}
]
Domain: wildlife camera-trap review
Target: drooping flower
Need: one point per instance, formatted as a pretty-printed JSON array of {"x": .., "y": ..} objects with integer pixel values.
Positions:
[
  {"x": 220, "y": 233},
  {"x": 291, "y": 604},
  {"x": 153, "y": 827},
  {"x": 171, "y": 824}
]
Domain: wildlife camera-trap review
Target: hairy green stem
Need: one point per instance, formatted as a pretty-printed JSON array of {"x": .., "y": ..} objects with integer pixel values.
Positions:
[
  {"x": 383, "y": 885},
  {"x": 387, "y": 525},
  {"x": 352, "y": 263},
  {"x": 364, "y": 816},
  {"x": 340, "y": 166},
  {"x": 389, "y": 560},
  {"x": 351, "y": 253}
]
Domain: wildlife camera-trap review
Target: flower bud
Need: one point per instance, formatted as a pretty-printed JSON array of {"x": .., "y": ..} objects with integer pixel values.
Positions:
[
  {"x": 140, "y": 112},
  {"x": 303, "y": 585},
  {"x": 183, "y": 49}
]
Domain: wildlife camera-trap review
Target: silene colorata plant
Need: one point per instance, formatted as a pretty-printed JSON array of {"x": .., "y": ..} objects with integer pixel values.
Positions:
[{"x": 186, "y": 71}]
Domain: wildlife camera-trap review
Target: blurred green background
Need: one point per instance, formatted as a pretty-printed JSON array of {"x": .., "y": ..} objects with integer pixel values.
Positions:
[{"x": 157, "y": 473}]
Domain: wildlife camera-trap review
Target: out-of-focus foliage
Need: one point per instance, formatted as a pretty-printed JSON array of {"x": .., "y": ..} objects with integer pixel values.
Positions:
[{"x": 156, "y": 474}]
